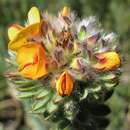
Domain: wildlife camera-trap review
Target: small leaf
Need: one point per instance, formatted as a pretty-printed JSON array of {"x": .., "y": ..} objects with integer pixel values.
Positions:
[
  {"x": 26, "y": 94},
  {"x": 63, "y": 124},
  {"x": 32, "y": 88},
  {"x": 43, "y": 102},
  {"x": 23, "y": 82},
  {"x": 57, "y": 99},
  {"x": 96, "y": 89},
  {"x": 110, "y": 85},
  {"x": 40, "y": 110},
  {"x": 108, "y": 77},
  {"x": 84, "y": 95},
  {"x": 42, "y": 94},
  {"x": 40, "y": 103},
  {"x": 51, "y": 107}
]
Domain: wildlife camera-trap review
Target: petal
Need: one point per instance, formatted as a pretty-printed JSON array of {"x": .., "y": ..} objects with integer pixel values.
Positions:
[
  {"x": 29, "y": 72},
  {"x": 33, "y": 15},
  {"x": 26, "y": 54},
  {"x": 31, "y": 59},
  {"x": 22, "y": 37},
  {"x": 42, "y": 62},
  {"x": 13, "y": 31},
  {"x": 69, "y": 84},
  {"x": 59, "y": 83}
]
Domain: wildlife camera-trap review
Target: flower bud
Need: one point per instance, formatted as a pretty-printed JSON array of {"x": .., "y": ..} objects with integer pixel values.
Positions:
[
  {"x": 65, "y": 12},
  {"x": 93, "y": 39},
  {"x": 107, "y": 61},
  {"x": 64, "y": 84}
]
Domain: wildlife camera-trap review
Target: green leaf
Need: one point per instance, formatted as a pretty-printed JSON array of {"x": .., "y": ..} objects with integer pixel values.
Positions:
[
  {"x": 23, "y": 82},
  {"x": 107, "y": 77},
  {"x": 32, "y": 88},
  {"x": 40, "y": 110},
  {"x": 57, "y": 99},
  {"x": 42, "y": 94},
  {"x": 63, "y": 124},
  {"x": 96, "y": 89},
  {"x": 26, "y": 94},
  {"x": 84, "y": 95},
  {"x": 51, "y": 107},
  {"x": 110, "y": 85},
  {"x": 42, "y": 102}
]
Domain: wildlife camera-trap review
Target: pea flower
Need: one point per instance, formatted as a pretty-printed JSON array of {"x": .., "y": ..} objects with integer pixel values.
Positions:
[
  {"x": 107, "y": 61},
  {"x": 64, "y": 84},
  {"x": 19, "y": 35},
  {"x": 32, "y": 61}
]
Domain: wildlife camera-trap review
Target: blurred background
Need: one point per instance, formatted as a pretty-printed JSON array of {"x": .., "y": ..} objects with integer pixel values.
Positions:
[{"x": 114, "y": 15}]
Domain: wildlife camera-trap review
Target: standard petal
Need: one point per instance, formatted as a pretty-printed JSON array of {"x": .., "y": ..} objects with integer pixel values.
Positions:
[
  {"x": 22, "y": 37},
  {"x": 33, "y": 15}
]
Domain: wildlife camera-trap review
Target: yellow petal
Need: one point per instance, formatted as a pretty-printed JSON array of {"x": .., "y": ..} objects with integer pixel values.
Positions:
[
  {"x": 13, "y": 31},
  {"x": 26, "y": 54},
  {"x": 42, "y": 62},
  {"x": 32, "y": 61},
  {"x": 69, "y": 84},
  {"x": 33, "y": 15},
  {"x": 29, "y": 71},
  {"x": 22, "y": 37}
]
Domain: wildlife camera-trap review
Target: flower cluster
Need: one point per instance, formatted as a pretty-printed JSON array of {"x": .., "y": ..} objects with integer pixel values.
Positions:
[
  {"x": 68, "y": 67},
  {"x": 63, "y": 49}
]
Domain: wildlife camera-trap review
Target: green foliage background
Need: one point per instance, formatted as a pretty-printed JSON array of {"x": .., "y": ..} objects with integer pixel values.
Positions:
[{"x": 114, "y": 15}]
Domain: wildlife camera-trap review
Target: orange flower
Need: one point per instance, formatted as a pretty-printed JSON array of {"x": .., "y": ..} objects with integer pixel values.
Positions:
[
  {"x": 64, "y": 84},
  {"x": 107, "y": 61},
  {"x": 32, "y": 61},
  {"x": 19, "y": 35}
]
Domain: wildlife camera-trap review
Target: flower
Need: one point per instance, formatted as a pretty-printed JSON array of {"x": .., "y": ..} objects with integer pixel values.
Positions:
[
  {"x": 32, "y": 61},
  {"x": 30, "y": 55},
  {"x": 19, "y": 35},
  {"x": 64, "y": 84},
  {"x": 107, "y": 61}
]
